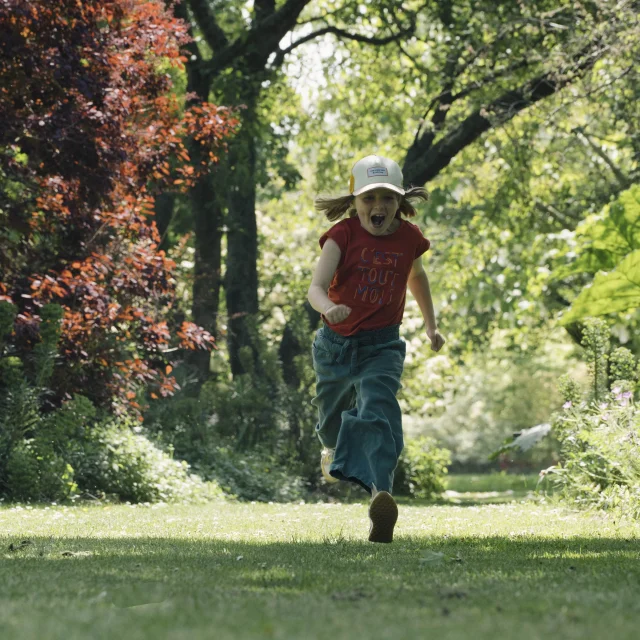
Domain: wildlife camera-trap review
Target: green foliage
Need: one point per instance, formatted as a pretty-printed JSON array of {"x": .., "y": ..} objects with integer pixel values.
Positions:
[
  {"x": 600, "y": 453},
  {"x": 249, "y": 407},
  {"x": 253, "y": 434},
  {"x": 599, "y": 447},
  {"x": 259, "y": 474},
  {"x": 422, "y": 469},
  {"x": 34, "y": 471},
  {"x": 610, "y": 292},
  {"x": 34, "y": 458},
  {"x": 569, "y": 389},
  {"x": 596, "y": 343},
  {"x": 610, "y": 244},
  {"x": 245, "y": 407},
  {"x": 18, "y": 401},
  {"x": 623, "y": 366},
  {"x": 8, "y": 313},
  {"x": 33, "y": 464},
  {"x": 118, "y": 460},
  {"x": 52, "y": 456},
  {"x": 604, "y": 239},
  {"x": 480, "y": 405},
  {"x": 45, "y": 352}
]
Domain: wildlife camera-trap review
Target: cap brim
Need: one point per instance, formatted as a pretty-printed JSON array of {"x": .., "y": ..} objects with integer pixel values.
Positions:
[{"x": 379, "y": 185}]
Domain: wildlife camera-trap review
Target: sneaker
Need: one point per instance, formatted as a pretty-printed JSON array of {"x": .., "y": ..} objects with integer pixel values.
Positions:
[
  {"x": 383, "y": 513},
  {"x": 326, "y": 458}
]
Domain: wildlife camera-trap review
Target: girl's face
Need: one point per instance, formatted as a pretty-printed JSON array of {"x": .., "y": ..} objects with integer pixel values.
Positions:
[{"x": 377, "y": 209}]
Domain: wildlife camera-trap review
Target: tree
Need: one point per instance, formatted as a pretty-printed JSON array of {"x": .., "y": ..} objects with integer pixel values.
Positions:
[
  {"x": 90, "y": 133},
  {"x": 470, "y": 71},
  {"x": 245, "y": 57}
]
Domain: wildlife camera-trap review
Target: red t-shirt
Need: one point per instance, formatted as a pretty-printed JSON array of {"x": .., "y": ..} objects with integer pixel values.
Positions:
[{"x": 372, "y": 274}]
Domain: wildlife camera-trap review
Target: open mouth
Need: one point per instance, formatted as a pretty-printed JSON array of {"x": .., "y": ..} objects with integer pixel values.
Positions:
[{"x": 377, "y": 221}]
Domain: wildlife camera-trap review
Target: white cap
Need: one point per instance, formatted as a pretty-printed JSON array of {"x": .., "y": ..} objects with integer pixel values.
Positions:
[{"x": 375, "y": 172}]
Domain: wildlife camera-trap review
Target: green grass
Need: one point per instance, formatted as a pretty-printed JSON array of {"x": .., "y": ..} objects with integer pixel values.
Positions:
[
  {"x": 497, "y": 481},
  {"x": 520, "y": 570}
]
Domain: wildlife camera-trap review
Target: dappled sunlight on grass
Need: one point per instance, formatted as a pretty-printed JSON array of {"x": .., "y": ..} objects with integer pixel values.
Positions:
[{"x": 257, "y": 570}]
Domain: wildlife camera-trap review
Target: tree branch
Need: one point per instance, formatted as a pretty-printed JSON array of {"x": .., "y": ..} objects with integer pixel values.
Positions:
[
  {"x": 263, "y": 9},
  {"x": 623, "y": 180},
  {"x": 260, "y": 41},
  {"x": 564, "y": 221},
  {"x": 452, "y": 71},
  {"x": 341, "y": 33},
  {"x": 342, "y": 10},
  {"x": 196, "y": 82},
  {"x": 213, "y": 34},
  {"x": 478, "y": 84},
  {"x": 424, "y": 160}
]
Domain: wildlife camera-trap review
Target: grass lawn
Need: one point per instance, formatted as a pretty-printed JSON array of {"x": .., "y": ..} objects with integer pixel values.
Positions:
[
  {"x": 472, "y": 482},
  {"x": 512, "y": 570}
]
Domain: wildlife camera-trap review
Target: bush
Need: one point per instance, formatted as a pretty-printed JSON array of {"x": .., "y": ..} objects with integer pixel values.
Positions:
[
  {"x": 33, "y": 462},
  {"x": 33, "y": 473},
  {"x": 600, "y": 435},
  {"x": 118, "y": 461},
  {"x": 600, "y": 452},
  {"x": 252, "y": 433},
  {"x": 74, "y": 449},
  {"x": 49, "y": 452},
  {"x": 422, "y": 469},
  {"x": 257, "y": 475}
]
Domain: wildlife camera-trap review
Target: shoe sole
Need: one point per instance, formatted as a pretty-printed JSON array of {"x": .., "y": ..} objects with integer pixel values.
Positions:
[
  {"x": 329, "y": 479},
  {"x": 324, "y": 468},
  {"x": 383, "y": 513}
]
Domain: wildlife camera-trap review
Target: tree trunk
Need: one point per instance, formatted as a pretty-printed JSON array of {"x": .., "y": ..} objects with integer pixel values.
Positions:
[
  {"x": 290, "y": 346},
  {"x": 241, "y": 278},
  {"x": 208, "y": 221},
  {"x": 207, "y": 203},
  {"x": 163, "y": 213}
]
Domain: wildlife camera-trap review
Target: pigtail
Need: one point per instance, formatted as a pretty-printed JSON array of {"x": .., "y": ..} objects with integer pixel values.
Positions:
[
  {"x": 335, "y": 208},
  {"x": 406, "y": 208}
]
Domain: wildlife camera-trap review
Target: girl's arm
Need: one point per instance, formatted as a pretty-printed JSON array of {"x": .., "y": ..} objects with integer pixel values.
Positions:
[
  {"x": 322, "y": 277},
  {"x": 419, "y": 285}
]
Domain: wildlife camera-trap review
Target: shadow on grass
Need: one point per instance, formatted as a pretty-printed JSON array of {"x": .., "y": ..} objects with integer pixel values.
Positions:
[
  {"x": 471, "y": 499},
  {"x": 134, "y": 571}
]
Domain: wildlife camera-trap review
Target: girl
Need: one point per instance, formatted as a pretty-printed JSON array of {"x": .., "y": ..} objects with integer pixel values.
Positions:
[{"x": 359, "y": 287}]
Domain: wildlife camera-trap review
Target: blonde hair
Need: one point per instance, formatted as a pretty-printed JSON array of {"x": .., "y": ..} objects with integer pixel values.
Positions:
[{"x": 335, "y": 208}]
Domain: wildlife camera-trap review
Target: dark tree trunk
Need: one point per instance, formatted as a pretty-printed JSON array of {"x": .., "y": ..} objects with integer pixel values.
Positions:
[
  {"x": 163, "y": 214},
  {"x": 241, "y": 277},
  {"x": 208, "y": 221},
  {"x": 290, "y": 346},
  {"x": 207, "y": 203}
]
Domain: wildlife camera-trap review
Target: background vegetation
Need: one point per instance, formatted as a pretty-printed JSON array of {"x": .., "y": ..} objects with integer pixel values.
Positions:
[{"x": 157, "y": 238}]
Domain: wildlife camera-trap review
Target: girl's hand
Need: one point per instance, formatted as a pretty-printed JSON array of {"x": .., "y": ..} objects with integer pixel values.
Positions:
[
  {"x": 437, "y": 341},
  {"x": 337, "y": 313}
]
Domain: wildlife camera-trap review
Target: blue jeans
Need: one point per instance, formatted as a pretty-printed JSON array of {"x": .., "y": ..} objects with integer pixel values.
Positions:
[{"x": 357, "y": 379}]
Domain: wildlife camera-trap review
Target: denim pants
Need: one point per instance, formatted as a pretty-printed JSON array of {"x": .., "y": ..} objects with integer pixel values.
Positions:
[{"x": 357, "y": 379}]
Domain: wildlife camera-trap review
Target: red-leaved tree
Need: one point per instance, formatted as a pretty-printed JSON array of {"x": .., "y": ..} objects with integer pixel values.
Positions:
[{"x": 89, "y": 131}]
